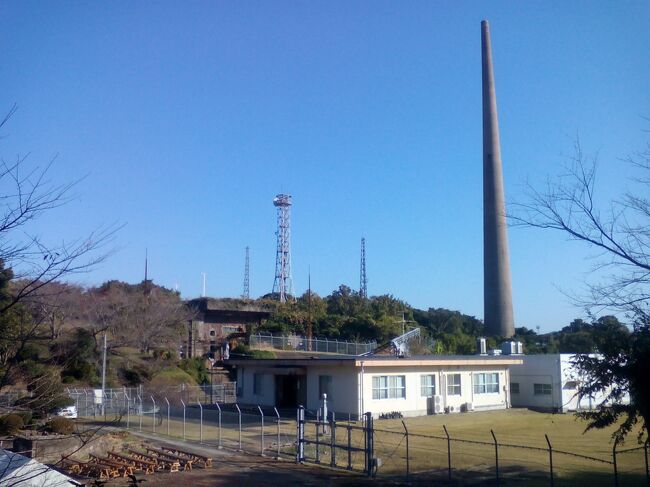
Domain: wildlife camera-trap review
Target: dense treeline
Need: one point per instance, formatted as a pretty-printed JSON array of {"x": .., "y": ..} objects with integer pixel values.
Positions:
[{"x": 344, "y": 314}]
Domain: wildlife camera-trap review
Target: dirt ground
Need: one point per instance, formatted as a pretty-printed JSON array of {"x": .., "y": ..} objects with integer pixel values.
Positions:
[{"x": 240, "y": 469}]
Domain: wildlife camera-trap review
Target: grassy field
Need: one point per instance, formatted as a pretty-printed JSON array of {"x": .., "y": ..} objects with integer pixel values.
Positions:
[{"x": 512, "y": 427}]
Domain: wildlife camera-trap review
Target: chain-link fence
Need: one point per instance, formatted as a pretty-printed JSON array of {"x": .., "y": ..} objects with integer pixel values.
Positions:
[
  {"x": 185, "y": 416},
  {"x": 295, "y": 342},
  {"x": 405, "y": 453}
]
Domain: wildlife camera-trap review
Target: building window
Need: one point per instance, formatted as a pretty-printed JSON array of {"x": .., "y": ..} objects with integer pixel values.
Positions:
[
  {"x": 514, "y": 388},
  {"x": 542, "y": 389},
  {"x": 257, "y": 384},
  {"x": 453, "y": 385},
  {"x": 325, "y": 386},
  {"x": 486, "y": 383},
  {"x": 427, "y": 385},
  {"x": 389, "y": 387},
  {"x": 227, "y": 329}
]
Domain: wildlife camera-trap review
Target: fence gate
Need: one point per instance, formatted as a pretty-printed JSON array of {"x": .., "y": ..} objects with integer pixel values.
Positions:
[{"x": 343, "y": 444}]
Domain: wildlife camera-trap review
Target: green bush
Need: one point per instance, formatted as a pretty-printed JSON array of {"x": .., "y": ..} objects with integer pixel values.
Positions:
[
  {"x": 244, "y": 351},
  {"x": 26, "y": 416},
  {"x": 261, "y": 354},
  {"x": 11, "y": 424},
  {"x": 60, "y": 425},
  {"x": 195, "y": 367}
]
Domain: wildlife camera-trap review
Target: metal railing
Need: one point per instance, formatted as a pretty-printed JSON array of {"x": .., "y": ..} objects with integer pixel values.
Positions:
[{"x": 298, "y": 343}]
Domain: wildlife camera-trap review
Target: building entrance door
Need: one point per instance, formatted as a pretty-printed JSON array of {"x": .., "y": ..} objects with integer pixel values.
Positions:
[{"x": 290, "y": 391}]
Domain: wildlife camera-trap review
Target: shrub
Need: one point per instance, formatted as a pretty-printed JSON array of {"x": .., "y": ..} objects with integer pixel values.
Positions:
[
  {"x": 11, "y": 424},
  {"x": 195, "y": 367},
  {"x": 61, "y": 426},
  {"x": 26, "y": 416},
  {"x": 244, "y": 351},
  {"x": 262, "y": 354}
]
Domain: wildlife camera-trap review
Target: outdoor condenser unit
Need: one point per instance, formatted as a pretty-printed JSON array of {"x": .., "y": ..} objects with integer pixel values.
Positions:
[{"x": 437, "y": 404}]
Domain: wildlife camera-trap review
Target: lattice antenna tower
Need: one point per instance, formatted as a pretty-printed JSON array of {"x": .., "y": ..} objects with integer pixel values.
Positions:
[
  {"x": 283, "y": 283},
  {"x": 247, "y": 288},
  {"x": 363, "y": 285}
]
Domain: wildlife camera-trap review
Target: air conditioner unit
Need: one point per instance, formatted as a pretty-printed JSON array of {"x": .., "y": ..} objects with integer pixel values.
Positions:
[
  {"x": 437, "y": 408},
  {"x": 437, "y": 399},
  {"x": 469, "y": 406}
]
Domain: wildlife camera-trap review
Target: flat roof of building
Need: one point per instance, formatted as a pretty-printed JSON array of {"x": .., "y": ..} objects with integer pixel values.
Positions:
[{"x": 385, "y": 360}]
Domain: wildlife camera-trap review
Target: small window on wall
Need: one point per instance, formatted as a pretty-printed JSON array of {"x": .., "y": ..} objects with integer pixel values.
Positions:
[
  {"x": 542, "y": 389},
  {"x": 212, "y": 333},
  {"x": 427, "y": 385},
  {"x": 257, "y": 384},
  {"x": 325, "y": 386},
  {"x": 514, "y": 388},
  {"x": 453, "y": 385}
]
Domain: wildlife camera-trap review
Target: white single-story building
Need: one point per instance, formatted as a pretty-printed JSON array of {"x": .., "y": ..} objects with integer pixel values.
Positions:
[
  {"x": 412, "y": 386},
  {"x": 549, "y": 382}
]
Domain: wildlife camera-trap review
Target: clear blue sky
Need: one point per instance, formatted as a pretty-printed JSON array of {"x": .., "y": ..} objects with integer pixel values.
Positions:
[{"x": 188, "y": 117}]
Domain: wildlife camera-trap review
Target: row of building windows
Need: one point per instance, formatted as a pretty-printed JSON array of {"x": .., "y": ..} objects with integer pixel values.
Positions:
[
  {"x": 394, "y": 386},
  {"x": 538, "y": 389}
]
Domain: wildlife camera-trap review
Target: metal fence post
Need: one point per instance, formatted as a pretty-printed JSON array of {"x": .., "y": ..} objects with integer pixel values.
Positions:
[
  {"x": 140, "y": 411},
  {"x": 239, "y": 411},
  {"x": 167, "y": 415},
  {"x": 550, "y": 458},
  {"x": 154, "y": 414},
  {"x": 349, "y": 428},
  {"x": 262, "y": 431},
  {"x": 408, "y": 469},
  {"x": 448, "y": 452},
  {"x": 200, "y": 422},
  {"x": 647, "y": 471},
  {"x": 300, "y": 433},
  {"x": 370, "y": 445},
  {"x": 496, "y": 454},
  {"x": 183, "y": 403},
  {"x": 278, "y": 415},
  {"x": 219, "y": 408},
  {"x": 128, "y": 409},
  {"x": 318, "y": 436},
  {"x": 614, "y": 461},
  {"x": 333, "y": 441}
]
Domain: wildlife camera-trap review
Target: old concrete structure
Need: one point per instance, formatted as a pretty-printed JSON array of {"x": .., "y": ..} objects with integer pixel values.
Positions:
[
  {"x": 216, "y": 321},
  {"x": 497, "y": 288}
]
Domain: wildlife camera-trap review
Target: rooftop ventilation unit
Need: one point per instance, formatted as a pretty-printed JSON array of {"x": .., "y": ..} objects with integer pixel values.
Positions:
[{"x": 481, "y": 346}]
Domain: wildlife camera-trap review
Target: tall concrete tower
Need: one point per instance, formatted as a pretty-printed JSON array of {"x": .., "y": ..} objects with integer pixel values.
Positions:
[{"x": 497, "y": 288}]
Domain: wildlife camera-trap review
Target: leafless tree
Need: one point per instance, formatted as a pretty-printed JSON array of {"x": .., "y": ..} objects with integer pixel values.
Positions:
[
  {"x": 620, "y": 232},
  {"x": 620, "y": 235}
]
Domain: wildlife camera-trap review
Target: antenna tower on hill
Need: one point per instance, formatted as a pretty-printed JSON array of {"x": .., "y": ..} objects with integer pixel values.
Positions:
[
  {"x": 247, "y": 289},
  {"x": 283, "y": 283},
  {"x": 363, "y": 286}
]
